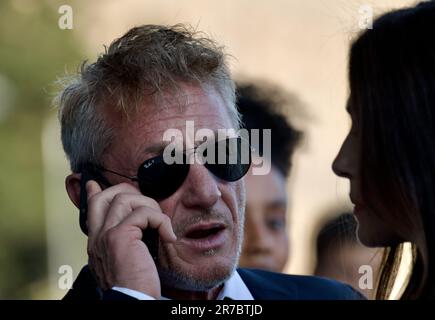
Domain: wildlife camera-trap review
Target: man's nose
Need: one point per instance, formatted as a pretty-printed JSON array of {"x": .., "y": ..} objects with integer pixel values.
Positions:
[{"x": 201, "y": 188}]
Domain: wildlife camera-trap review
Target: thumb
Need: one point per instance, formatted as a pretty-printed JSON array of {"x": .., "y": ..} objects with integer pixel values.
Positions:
[{"x": 92, "y": 188}]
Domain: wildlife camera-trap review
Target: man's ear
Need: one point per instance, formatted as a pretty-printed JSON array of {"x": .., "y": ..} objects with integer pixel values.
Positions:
[{"x": 72, "y": 185}]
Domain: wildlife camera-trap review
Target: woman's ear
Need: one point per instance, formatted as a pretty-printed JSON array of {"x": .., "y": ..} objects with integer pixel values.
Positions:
[{"x": 72, "y": 185}]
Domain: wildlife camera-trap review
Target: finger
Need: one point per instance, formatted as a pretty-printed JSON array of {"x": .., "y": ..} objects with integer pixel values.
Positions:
[
  {"x": 143, "y": 218},
  {"x": 92, "y": 188},
  {"x": 99, "y": 203},
  {"x": 123, "y": 204}
]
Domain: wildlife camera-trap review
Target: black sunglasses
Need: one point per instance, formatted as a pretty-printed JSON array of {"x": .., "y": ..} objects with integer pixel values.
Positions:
[{"x": 227, "y": 159}]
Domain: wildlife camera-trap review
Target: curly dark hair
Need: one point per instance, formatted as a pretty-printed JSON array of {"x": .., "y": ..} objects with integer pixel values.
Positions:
[{"x": 262, "y": 106}]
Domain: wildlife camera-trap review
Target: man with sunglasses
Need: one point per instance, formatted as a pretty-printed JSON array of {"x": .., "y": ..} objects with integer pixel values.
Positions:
[{"x": 160, "y": 229}]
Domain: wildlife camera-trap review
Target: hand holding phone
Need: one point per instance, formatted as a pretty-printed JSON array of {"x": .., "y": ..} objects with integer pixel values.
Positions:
[
  {"x": 150, "y": 236},
  {"x": 113, "y": 216}
]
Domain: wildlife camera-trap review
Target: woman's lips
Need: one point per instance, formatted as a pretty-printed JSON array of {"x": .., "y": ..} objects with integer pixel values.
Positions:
[{"x": 358, "y": 205}]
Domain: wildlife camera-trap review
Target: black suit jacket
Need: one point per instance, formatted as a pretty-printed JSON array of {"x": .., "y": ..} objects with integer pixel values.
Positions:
[{"x": 263, "y": 285}]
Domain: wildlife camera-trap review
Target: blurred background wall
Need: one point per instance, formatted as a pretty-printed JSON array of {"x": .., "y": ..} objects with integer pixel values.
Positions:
[{"x": 301, "y": 45}]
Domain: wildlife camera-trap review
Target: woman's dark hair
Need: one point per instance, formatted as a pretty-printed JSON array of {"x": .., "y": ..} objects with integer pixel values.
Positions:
[{"x": 392, "y": 90}]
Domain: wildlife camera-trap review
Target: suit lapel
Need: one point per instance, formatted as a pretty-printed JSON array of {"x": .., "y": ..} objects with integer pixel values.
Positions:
[
  {"x": 265, "y": 286},
  {"x": 84, "y": 287}
]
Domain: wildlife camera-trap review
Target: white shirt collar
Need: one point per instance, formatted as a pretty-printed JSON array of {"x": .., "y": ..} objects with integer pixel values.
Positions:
[{"x": 234, "y": 288}]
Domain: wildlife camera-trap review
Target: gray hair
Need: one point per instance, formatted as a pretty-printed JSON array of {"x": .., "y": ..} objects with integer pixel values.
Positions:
[{"x": 147, "y": 61}]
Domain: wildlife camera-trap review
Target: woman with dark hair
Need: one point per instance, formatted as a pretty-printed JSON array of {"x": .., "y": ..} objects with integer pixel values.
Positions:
[{"x": 389, "y": 154}]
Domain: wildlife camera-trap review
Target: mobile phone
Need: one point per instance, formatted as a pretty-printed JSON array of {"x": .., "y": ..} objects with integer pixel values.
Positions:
[{"x": 149, "y": 236}]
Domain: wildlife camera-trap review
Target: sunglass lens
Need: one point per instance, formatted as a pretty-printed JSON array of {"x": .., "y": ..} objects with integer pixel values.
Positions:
[
  {"x": 232, "y": 159},
  {"x": 159, "y": 180}
]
